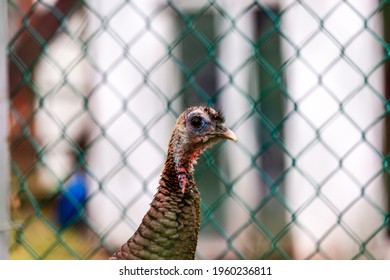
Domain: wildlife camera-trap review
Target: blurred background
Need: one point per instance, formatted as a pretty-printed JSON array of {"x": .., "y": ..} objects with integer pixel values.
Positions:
[{"x": 92, "y": 89}]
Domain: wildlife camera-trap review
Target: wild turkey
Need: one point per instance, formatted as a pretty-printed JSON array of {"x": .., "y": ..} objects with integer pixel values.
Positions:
[{"x": 169, "y": 230}]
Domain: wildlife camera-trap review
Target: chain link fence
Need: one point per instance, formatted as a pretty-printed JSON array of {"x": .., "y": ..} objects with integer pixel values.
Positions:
[{"x": 95, "y": 87}]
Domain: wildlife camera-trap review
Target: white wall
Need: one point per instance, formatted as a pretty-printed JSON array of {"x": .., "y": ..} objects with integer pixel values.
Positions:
[
  {"x": 334, "y": 189},
  {"x": 130, "y": 108}
]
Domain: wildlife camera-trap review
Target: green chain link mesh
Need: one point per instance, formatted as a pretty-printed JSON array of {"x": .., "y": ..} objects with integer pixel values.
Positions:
[{"x": 241, "y": 218}]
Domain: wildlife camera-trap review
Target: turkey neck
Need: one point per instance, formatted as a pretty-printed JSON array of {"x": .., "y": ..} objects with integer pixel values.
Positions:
[
  {"x": 170, "y": 228},
  {"x": 183, "y": 206},
  {"x": 178, "y": 195}
]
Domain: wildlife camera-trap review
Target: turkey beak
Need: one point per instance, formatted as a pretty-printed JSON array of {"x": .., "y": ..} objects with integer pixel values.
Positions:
[{"x": 228, "y": 134}]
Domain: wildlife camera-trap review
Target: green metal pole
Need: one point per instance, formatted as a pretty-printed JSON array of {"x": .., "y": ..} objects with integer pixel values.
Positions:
[{"x": 4, "y": 156}]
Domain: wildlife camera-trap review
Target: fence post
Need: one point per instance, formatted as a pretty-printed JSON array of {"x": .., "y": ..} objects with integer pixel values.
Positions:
[{"x": 4, "y": 157}]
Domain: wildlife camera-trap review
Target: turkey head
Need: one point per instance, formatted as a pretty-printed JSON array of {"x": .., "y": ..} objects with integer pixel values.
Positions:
[{"x": 196, "y": 129}]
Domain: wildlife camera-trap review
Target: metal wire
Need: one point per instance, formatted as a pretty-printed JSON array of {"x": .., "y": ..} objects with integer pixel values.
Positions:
[{"x": 251, "y": 212}]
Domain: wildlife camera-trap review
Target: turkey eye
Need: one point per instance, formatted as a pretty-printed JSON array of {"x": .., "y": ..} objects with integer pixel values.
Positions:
[{"x": 196, "y": 122}]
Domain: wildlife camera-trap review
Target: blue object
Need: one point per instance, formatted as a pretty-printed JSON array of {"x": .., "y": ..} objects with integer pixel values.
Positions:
[{"x": 71, "y": 204}]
